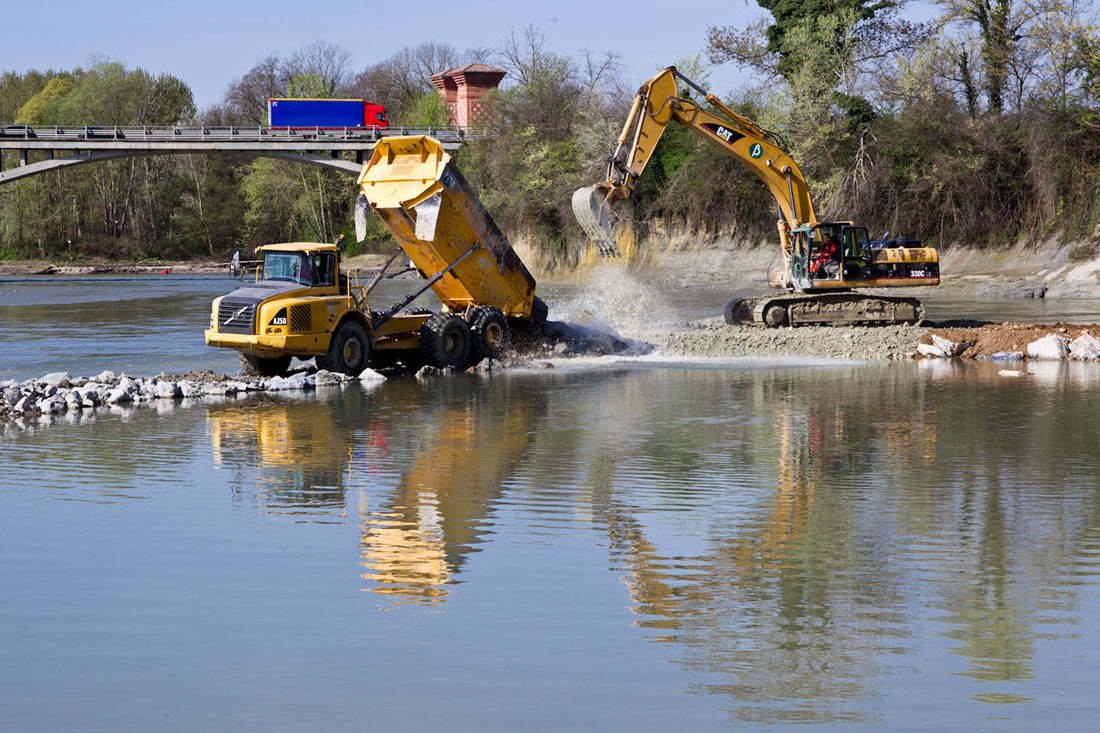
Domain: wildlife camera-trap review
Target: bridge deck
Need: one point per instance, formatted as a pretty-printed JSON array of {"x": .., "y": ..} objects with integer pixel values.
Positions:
[
  {"x": 315, "y": 145},
  {"x": 57, "y": 137}
]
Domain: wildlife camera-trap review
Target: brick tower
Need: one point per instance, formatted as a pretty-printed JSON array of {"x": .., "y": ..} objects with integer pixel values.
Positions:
[{"x": 462, "y": 89}]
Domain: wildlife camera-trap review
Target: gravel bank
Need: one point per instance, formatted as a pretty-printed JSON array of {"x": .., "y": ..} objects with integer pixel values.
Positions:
[{"x": 712, "y": 337}]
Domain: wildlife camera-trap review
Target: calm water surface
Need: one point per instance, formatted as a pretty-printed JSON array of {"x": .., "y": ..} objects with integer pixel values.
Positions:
[{"x": 650, "y": 544}]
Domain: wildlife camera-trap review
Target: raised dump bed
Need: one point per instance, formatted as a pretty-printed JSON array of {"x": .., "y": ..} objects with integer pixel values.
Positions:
[{"x": 432, "y": 212}]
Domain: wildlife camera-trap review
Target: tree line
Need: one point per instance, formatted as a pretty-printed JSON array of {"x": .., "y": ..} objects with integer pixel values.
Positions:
[{"x": 976, "y": 127}]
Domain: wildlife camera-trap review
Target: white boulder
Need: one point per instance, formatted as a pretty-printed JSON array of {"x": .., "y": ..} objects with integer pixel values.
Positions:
[
  {"x": 52, "y": 405},
  {"x": 118, "y": 396},
  {"x": 369, "y": 375},
  {"x": 1085, "y": 347},
  {"x": 55, "y": 378},
  {"x": 189, "y": 388},
  {"x": 923, "y": 349},
  {"x": 948, "y": 347},
  {"x": 168, "y": 390},
  {"x": 1052, "y": 347}
]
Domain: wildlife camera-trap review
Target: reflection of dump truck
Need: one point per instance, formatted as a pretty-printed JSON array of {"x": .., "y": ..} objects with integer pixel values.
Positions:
[
  {"x": 823, "y": 261},
  {"x": 301, "y": 306}
]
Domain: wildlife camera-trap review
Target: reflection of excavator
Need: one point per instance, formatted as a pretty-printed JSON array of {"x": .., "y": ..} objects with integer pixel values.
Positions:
[{"x": 823, "y": 261}]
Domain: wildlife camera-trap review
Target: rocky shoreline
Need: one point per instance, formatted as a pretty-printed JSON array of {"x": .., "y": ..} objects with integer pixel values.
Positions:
[{"x": 59, "y": 392}]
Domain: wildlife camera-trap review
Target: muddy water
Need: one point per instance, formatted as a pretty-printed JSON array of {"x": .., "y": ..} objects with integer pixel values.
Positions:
[{"x": 647, "y": 544}]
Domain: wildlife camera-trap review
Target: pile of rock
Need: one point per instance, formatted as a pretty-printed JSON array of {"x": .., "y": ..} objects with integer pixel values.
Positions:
[
  {"x": 1052, "y": 347},
  {"x": 59, "y": 392}
]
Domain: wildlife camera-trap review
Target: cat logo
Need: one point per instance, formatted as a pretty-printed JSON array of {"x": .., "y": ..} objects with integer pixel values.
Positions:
[{"x": 726, "y": 135}]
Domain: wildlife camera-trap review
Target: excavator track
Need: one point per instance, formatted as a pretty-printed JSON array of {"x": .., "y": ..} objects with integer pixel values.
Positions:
[{"x": 824, "y": 309}]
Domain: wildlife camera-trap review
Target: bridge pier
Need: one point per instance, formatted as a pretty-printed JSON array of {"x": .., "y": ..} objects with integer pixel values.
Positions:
[{"x": 22, "y": 157}]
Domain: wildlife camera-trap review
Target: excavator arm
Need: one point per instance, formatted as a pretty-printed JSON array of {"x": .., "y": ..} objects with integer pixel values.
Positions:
[{"x": 657, "y": 104}]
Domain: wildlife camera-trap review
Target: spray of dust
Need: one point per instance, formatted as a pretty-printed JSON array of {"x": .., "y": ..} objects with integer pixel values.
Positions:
[{"x": 621, "y": 302}]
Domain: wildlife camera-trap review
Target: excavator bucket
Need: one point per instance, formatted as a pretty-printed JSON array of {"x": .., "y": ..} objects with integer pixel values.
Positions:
[{"x": 592, "y": 209}]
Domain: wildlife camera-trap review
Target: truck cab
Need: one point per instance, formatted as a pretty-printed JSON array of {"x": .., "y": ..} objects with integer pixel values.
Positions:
[{"x": 294, "y": 308}]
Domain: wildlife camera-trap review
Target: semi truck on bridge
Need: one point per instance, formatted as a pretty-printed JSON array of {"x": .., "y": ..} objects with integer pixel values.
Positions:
[{"x": 307, "y": 113}]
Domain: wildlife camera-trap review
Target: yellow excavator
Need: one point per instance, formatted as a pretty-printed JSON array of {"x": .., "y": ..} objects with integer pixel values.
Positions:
[{"x": 823, "y": 262}]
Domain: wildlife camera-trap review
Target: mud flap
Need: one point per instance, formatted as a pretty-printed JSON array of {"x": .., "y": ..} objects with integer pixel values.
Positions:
[
  {"x": 592, "y": 211},
  {"x": 362, "y": 208},
  {"x": 427, "y": 216}
]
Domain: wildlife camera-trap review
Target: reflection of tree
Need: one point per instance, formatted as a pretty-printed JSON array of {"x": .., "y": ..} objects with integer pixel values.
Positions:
[
  {"x": 805, "y": 599},
  {"x": 756, "y": 607}
]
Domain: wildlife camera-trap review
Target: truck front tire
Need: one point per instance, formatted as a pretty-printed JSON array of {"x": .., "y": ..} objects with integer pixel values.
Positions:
[
  {"x": 349, "y": 350},
  {"x": 445, "y": 341}
]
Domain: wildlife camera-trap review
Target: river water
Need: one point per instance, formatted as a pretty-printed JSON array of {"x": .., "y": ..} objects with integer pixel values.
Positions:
[{"x": 645, "y": 544}]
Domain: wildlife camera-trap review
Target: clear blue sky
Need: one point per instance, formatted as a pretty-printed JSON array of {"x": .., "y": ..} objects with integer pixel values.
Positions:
[{"x": 208, "y": 43}]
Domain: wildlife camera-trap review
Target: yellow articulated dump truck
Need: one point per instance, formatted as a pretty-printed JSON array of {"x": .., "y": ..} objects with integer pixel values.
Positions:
[{"x": 301, "y": 305}]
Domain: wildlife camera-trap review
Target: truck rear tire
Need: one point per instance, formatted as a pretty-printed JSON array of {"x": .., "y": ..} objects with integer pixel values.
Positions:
[
  {"x": 489, "y": 332},
  {"x": 445, "y": 341},
  {"x": 259, "y": 366},
  {"x": 349, "y": 350}
]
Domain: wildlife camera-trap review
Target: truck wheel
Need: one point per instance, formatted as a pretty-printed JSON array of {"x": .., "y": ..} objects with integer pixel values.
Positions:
[
  {"x": 258, "y": 366},
  {"x": 445, "y": 341},
  {"x": 349, "y": 350},
  {"x": 490, "y": 333}
]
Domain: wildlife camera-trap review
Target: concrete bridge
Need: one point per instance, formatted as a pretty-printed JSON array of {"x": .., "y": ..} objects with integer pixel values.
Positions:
[{"x": 62, "y": 146}]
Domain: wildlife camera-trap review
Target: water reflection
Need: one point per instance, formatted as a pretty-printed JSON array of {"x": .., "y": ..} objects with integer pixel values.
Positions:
[
  {"x": 424, "y": 460},
  {"x": 283, "y": 454},
  {"x": 466, "y": 445},
  {"x": 793, "y": 537}
]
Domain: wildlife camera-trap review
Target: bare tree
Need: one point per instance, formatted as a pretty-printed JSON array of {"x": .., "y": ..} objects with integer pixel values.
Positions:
[
  {"x": 245, "y": 102},
  {"x": 330, "y": 63},
  {"x": 402, "y": 80}
]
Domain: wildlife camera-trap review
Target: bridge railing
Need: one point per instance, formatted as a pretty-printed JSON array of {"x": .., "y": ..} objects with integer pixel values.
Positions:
[{"x": 168, "y": 134}]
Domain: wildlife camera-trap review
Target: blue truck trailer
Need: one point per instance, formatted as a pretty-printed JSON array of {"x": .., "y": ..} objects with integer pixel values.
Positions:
[{"x": 302, "y": 113}]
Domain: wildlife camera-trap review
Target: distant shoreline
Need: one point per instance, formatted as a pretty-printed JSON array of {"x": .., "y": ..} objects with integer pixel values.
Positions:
[
  {"x": 144, "y": 267},
  {"x": 32, "y": 267}
]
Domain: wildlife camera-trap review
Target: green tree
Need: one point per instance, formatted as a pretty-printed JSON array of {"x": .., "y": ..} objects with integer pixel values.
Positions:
[{"x": 37, "y": 109}]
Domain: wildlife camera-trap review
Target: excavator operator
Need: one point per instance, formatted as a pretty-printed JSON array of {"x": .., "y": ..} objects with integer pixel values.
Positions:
[{"x": 824, "y": 263}]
